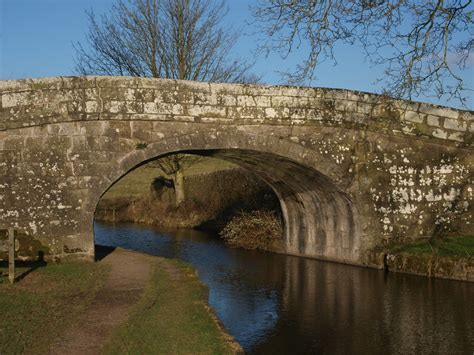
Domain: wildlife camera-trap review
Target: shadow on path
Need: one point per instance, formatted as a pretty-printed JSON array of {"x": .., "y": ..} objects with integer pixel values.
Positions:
[
  {"x": 101, "y": 251},
  {"x": 22, "y": 267}
]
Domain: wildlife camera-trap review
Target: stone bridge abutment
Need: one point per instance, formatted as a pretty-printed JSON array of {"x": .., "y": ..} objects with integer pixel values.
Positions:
[{"x": 352, "y": 170}]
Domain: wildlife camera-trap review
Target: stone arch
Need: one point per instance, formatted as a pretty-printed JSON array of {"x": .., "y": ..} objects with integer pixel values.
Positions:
[
  {"x": 389, "y": 170},
  {"x": 320, "y": 218}
]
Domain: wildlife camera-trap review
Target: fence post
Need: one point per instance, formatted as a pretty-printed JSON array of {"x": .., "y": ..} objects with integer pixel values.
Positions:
[{"x": 11, "y": 255}]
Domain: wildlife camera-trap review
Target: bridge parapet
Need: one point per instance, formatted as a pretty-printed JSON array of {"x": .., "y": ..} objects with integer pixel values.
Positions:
[{"x": 36, "y": 102}]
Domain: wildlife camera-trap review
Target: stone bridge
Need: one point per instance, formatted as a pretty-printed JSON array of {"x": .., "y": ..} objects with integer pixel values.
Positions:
[{"x": 352, "y": 170}]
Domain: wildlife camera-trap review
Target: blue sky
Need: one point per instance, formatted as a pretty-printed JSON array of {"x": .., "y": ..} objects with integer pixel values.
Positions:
[{"x": 36, "y": 40}]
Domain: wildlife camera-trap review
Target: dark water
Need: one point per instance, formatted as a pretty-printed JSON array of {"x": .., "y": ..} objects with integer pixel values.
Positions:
[{"x": 277, "y": 304}]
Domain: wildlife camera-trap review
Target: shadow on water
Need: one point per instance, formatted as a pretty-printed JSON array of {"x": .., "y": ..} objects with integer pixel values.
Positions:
[{"x": 282, "y": 304}]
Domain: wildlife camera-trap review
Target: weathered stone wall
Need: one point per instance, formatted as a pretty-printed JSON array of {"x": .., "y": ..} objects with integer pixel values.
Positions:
[
  {"x": 456, "y": 268},
  {"x": 352, "y": 170}
]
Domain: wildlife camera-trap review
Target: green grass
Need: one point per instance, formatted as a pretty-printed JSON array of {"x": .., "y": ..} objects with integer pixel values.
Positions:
[
  {"x": 35, "y": 310},
  {"x": 171, "y": 317},
  {"x": 452, "y": 246},
  {"x": 137, "y": 182}
]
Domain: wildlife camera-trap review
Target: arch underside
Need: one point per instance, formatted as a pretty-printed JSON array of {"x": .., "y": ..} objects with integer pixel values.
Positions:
[{"x": 319, "y": 219}]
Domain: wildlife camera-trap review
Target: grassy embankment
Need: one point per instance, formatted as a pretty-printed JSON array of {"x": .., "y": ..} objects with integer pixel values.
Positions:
[
  {"x": 215, "y": 191},
  {"x": 137, "y": 183},
  {"x": 172, "y": 317},
  {"x": 452, "y": 246},
  {"x": 36, "y": 309}
]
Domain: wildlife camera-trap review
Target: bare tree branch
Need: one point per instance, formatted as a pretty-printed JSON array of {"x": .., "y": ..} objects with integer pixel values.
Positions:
[
  {"x": 178, "y": 39},
  {"x": 414, "y": 40}
]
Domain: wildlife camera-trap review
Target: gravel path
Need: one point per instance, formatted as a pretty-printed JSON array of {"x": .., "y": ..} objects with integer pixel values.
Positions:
[{"x": 128, "y": 276}]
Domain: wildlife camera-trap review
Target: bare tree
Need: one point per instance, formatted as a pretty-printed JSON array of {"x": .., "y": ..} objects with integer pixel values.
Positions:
[
  {"x": 177, "y": 39},
  {"x": 423, "y": 44},
  {"x": 174, "y": 166}
]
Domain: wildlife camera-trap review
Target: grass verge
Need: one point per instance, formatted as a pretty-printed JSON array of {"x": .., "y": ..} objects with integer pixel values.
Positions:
[
  {"x": 137, "y": 182},
  {"x": 171, "y": 318},
  {"x": 452, "y": 246},
  {"x": 35, "y": 310}
]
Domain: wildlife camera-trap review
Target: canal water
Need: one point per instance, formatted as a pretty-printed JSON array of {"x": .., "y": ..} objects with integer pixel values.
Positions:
[{"x": 278, "y": 304}]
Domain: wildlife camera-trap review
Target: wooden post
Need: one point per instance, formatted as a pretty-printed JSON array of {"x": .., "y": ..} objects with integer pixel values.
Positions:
[{"x": 11, "y": 255}]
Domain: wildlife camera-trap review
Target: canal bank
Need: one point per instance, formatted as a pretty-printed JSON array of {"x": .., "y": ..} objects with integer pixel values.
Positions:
[
  {"x": 128, "y": 302},
  {"x": 447, "y": 258},
  {"x": 274, "y": 303}
]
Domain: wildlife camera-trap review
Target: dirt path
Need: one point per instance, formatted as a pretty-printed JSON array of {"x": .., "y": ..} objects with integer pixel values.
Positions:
[{"x": 129, "y": 273}]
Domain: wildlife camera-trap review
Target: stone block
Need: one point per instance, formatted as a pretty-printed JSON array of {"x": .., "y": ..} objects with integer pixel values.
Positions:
[
  {"x": 94, "y": 128},
  {"x": 270, "y": 112},
  {"x": 126, "y": 145},
  {"x": 284, "y": 101},
  {"x": 412, "y": 116},
  {"x": 298, "y": 91},
  {"x": 150, "y": 107},
  {"x": 208, "y": 111},
  {"x": 193, "y": 86},
  {"x": 226, "y": 100},
  {"x": 141, "y": 130},
  {"x": 364, "y": 108},
  {"x": 354, "y": 96},
  {"x": 91, "y": 94},
  {"x": 245, "y": 100},
  {"x": 67, "y": 129},
  {"x": 314, "y": 115},
  {"x": 297, "y": 113},
  {"x": 345, "y": 105},
  {"x": 14, "y": 99},
  {"x": 433, "y": 120},
  {"x": 335, "y": 94},
  {"x": 14, "y": 142},
  {"x": 205, "y": 98},
  {"x": 466, "y": 116},
  {"x": 262, "y": 101},
  {"x": 145, "y": 95},
  {"x": 455, "y": 124},
  {"x": 227, "y": 89},
  {"x": 168, "y": 109},
  {"x": 184, "y": 118},
  {"x": 108, "y": 82},
  {"x": 440, "y": 133},
  {"x": 114, "y": 106},
  {"x": 438, "y": 111},
  {"x": 58, "y": 143},
  {"x": 456, "y": 136},
  {"x": 108, "y": 144},
  {"x": 118, "y": 128},
  {"x": 153, "y": 83}
]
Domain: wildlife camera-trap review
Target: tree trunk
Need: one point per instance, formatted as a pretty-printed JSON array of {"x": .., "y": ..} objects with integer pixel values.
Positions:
[{"x": 179, "y": 187}]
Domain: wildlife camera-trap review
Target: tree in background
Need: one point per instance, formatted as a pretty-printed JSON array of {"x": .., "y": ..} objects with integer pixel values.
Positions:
[
  {"x": 422, "y": 44},
  {"x": 176, "y": 39},
  {"x": 174, "y": 166}
]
